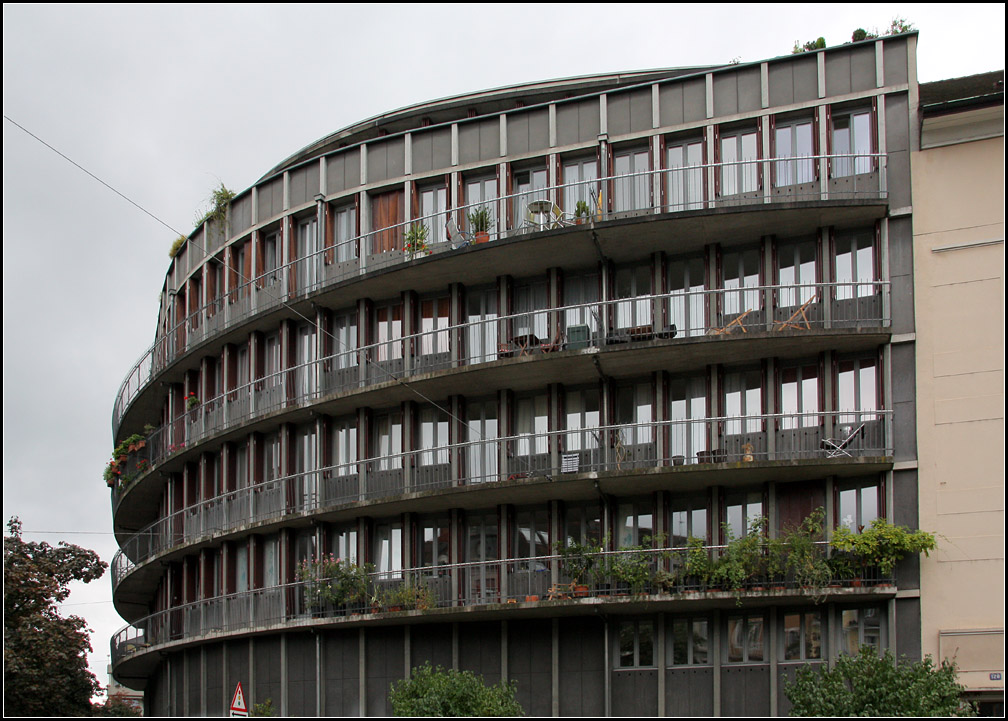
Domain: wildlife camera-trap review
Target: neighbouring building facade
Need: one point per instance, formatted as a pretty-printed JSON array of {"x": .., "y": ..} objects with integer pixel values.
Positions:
[
  {"x": 958, "y": 194},
  {"x": 621, "y": 311}
]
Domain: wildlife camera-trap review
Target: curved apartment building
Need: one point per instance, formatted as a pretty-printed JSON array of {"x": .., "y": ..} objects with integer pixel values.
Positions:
[{"x": 443, "y": 344}]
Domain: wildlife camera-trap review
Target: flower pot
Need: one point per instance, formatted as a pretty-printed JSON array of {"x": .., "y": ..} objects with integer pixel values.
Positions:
[
  {"x": 482, "y": 236},
  {"x": 580, "y": 591},
  {"x": 530, "y": 599},
  {"x": 678, "y": 460}
]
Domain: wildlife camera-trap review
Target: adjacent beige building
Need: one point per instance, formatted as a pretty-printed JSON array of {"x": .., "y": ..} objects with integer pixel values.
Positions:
[{"x": 958, "y": 219}]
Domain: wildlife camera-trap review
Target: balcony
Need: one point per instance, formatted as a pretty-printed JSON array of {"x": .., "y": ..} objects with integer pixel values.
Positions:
[
  {"x": 808, "y": 317},
  {"x": 660, "y": 193},
  {"x": 631, "y": 455},
  {"x": 485, "y": 590}
]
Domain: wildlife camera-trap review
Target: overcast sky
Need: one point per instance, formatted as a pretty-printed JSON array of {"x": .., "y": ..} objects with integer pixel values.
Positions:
[{"x": 163, "y": 103}]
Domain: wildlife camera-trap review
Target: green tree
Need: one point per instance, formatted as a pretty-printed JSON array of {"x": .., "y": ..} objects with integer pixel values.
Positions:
[
  {"x": 873, "y": 685},
  {"x": 436, "y": 692},
  {"x": 45, "y": 655},
  {"x": 115, "y": 705}
]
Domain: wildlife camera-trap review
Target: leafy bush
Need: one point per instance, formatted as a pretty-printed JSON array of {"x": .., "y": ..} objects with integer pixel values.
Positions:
[
  {"x": 873, "y": 685},
  {"x": 883, "y": 544},
  {"x": 436, "y": 692}
]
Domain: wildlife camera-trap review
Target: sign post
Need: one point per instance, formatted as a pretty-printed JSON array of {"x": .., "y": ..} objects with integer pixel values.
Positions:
[{"x": 238, "y": 707}]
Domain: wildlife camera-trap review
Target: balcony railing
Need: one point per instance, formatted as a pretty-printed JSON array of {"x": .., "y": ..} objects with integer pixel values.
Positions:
[
  {"x": 541, "y": 579},
  {"x": 609, "y": 448},
  {"x": 669, "y": 316},
  {"x": 675, "y": 190}
]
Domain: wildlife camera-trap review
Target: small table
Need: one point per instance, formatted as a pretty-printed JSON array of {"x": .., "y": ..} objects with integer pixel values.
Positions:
[
  {"x": 524, "y": 344},
  {"x": 540, "y": 213}
]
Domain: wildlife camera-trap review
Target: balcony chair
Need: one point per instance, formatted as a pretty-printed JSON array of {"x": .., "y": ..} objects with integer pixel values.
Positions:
[
  {"x": 736, "y": 322},
  {"x": 458, "y": 238},
  {"x": 793, "y": 322},
  {"x": 836, "y": 447}
]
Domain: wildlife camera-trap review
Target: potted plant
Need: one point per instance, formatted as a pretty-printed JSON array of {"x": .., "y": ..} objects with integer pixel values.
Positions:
[
  {"x": 191, "y": 401},
  {"x": 882, "y": 545},
  {"x": 698, "y": 565},
  {"x": 479, "y": 223},
  {"x": 741, "y": 560},
  {"x": 576, "y": 560},
  {"x": 416, "y": 240},
  {"x": 631, "y": 570},
  {"x": 580, "y": 212},
  {"x": 806, "y": 559}
]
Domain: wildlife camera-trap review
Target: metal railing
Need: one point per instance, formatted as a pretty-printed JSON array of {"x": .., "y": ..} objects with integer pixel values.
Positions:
[
  {"x": 668, "y": 316},
  {"x": 658, "y": 191},
  {"x": 604, "y": 448},
  {"x": 538, "y": 579}
]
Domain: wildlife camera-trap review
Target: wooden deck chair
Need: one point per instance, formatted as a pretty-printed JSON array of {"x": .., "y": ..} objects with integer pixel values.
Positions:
[
  {"x": 793, "y": 321},
  {"x": 558, "y": 342},
  {"x": 836, "y": 447},
  {"x": 736, "y": 323}
]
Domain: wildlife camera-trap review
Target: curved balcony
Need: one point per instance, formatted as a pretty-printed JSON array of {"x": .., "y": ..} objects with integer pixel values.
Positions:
[
  {"x": 475, "y": 591},
  {"x": 631, "y": 457},
  {"x": 802, "y": 318},
  {"x": 678, "y": 191}
]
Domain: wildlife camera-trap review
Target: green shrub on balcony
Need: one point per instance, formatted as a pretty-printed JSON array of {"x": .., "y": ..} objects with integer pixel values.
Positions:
[
  {"x": 335, "y": 582},
  {"x": 882, "y": 544}
]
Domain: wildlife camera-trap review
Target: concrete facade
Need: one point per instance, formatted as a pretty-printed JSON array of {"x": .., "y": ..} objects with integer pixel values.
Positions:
[
  {"x": 958, "y": 191},
  {"x": 723, "y": 329}
]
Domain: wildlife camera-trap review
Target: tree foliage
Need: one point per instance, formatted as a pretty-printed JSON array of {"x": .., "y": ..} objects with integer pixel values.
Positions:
[
  {"x": 873, "y": 685},
  {"x": 436, "y": 692},
  {"x": 115, "y": 705},
  {"x": 45, "y": 655}
]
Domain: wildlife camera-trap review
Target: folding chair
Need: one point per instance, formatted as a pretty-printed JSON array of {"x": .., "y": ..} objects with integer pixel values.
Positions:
[
  {"x": 793, "y": 322},
  {"x": 737, "y": 322},
  {"x": 458, "y": 238},
  {"x": 836, "y": 447}
]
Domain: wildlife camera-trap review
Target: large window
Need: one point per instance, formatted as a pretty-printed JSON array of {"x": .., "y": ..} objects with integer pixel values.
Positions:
[
  {"x": 857, "y": 390},
  {"x": 307, "y": 249},
  {"x": 685, "y": 176},
  {"x": 632, "y": 183},
  {"x": 481, "y": 330},
  {"x": 582, "y": 418},
  {"x": 636, "y": 644},
  {"x": 743, "y": 402},
  {"x": 688, "y": 642},
  {"x": 532, "y": 430},
  {"x": 851, "y": 143},
  {"x": 581, "y": 296},
  {"x": 579, "y": 175},
  {"x": 739, "y": 166},
  {"x": 740, "y": 278},
  {"x": 632, "y": 290},
  {"x": 387, "y": 548},
  {"x": 433, "y": 207},
  {"x": 529, "y": 186},
  {"x": 635, "y": 416},
  {"x": 530, "y": 304},
  {"x": 388, "y": 333},
  {"x": 482, "y": 547},
  {"x": 794, "y": 147},
  {"x": 688, "y": 431},
  {"x": 687, "y": 519},
  {"x": 854, "y": 264},
  {"x": 741, "y": 511},
  {"x": 481, "y": 193},
  {"x": 434, "y": 345},
  {"x": 687, "y": 300},
  {"x": 343, "y": 542},
  {"x": 860, "y": 627},
  {"x": 344, "y": 340},
  {"x": 433, "y": 436},
  {"x": 744, "y": 642},
  {"x": 432, "y": 544},
  {"x": 858, "y": 504},
  {"x": 799, "y": 396},
  {"x": 803, "y": 636},
  {"x": 634, "y": 524},
  {"x": 345, "y": 233},
  {"x": 583, "y": 523},
  {"x": 796, "y": 273},
  {"x": 387, "y": 441},
  {"x": 271, "y": 259},
  {"x": 481, "y": 434},
  {"x": 344, "y": 446}
]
